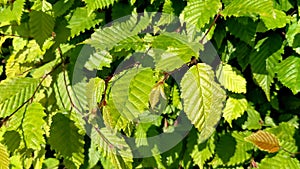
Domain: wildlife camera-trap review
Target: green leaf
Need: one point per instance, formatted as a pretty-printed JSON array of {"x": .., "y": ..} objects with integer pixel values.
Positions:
[
  {"x": 132, "y": 2},
  {"x": 271, "y": 17},
  {"x": 42, "y": 5},
  {"x": 65, "y": 139},
  {"x": 94, "y": 92},
  {"x": 32, "y": 127},
  {"x": 231, "y": 78},
  {"x": 275, "y": 19},
  {"x": 51, "y": 163},
  {"x": 174, "y": 57},
  {"x": 264, "y": 60},
  {"x": 95, "y": 4},
  {"x": 79, "y": 95},
  {"x": 242, "y": 53},
  {"x": 112, "y": 147},
  {"x": 168, "y": 7},
  {"x": 293, "y": 36},
  {"x": 200, "y": 12},
  {"x": 202, "y": 152},
  {"x": 288, "y": 72},
  {"x": 219, "y": 35},
  {"x": 16, "y": 162},
  {"x": 134, "y": 42},
  {"x": 140, "y": 88},
  {"x": 279, "y": 161},
  {"x": 41, "y": 26},
  {"x": 264, "y": 49},
  {"x": 176, "y": 101},
  {"x": 65, "y": 93},
  {"x": 108, "y": 37},
  {"x": 4, "y": 157},
  {"x": 253, "y": 119},
  {"x": 243, "y": 28},
  {"x": 284, "y": 5},
  {"x": 156, "y": 95},
  {"x": 120, "y": 94},
  {"x": 12, "y": 140},
  {"x": 120, "y": 10},
  {"x": 232, "y": 150},
  {"x": 172, "y": 50},
  {"x": 287, "y": 135},
  {"x": 114, "y": 119},
  {"x": 43, "y": 70},
  {"x": 12, "y": 12},
  {"x": 98, "y": 60},
  {"x": 202, "y": 98},
  {"x": 141, "y": 135},
  {"x": 60, "y": 92},
  {"x": 131, "y": 90},
  {"x": 94, "y": 156},
  {"x": 235, "y": 108},
  {"x": 81, "y": 20},
  {"x": 15, "y": 92},
  {"x": 61, "y": 7},
  {"x": 28, "y": 51},
  {"x": 191, "y": 141},
  {"x": 155, "y": 161},
  {"x": 169, "y": 159}
]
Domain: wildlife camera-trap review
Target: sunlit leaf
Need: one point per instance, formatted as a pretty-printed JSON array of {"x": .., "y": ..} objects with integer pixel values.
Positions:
[
  {"x": 293, "y": 36},
  {"x": 4, "y": 157},
  {"x": 264, "y": 141},
  {"x": 33, "y": 126},
  {"x": 253, "y": 119},
  {"x": 82, "y": 20},
  {"x": 202, "y": 98},
  {"x": 232, "y": 149},
  {"x": 199, "y": 12},
  {"x": 271, "y": 17},
  {"x": 235, "y": 108},
  {"x": 14, "y": 93},
  {"x": 231, "y": 78},
  {"x": 290, "y": 75}
]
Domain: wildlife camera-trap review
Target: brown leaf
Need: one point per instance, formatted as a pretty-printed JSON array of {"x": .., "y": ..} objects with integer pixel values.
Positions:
[{"x": 264, "y": 141}]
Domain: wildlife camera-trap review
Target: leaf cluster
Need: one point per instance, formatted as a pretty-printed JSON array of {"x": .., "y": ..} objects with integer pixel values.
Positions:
[{"x": 96, "y": 84}]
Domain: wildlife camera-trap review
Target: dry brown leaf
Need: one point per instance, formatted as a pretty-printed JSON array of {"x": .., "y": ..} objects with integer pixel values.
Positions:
[{"x": 264, "y": 141}]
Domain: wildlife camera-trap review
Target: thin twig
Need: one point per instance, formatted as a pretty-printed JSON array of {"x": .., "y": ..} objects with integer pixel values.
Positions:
[
  {"x": 71, "y": 100},
  {"x": 108, "y": 78},
  {"x": 103, "y": 101},
  {"x": 65, "y": 77},
  {"x": 291, "y": 153},
  {"x": 5, "y": 119},
  {"x": 210, "y": 27}
]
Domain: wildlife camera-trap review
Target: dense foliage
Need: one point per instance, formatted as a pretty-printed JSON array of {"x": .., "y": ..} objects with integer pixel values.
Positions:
[{"x": 207, "y": 83}]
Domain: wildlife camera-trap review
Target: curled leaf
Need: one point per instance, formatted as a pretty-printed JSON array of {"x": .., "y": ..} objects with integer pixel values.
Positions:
[
  {"x": 264, "y": 141},
  {"x": 157, "y": 93}
]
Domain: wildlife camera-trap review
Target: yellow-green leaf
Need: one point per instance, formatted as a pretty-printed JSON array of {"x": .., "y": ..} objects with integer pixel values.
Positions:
[
  {"x": 156, "y": 94},
  {"x": 235, "y": 108},
  {"x": 231, "y": 78},
  {"x": 202, "y": 98},
  {"x": 4, "y": 157}
]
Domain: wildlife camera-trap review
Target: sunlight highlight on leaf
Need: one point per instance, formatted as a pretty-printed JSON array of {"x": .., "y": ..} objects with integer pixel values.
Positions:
[{"x": 264, "y": 141}]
